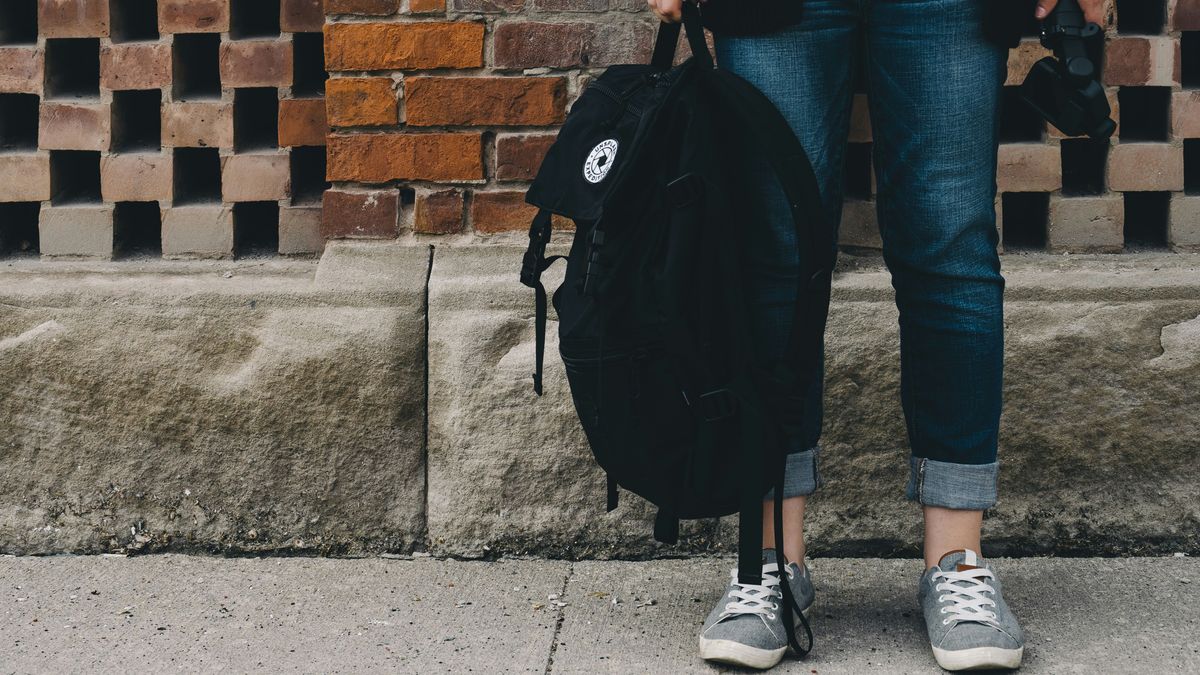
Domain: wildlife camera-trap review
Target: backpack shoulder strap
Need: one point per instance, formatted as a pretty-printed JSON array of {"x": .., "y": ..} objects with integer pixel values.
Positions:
[{"x": 534, "y": 263}]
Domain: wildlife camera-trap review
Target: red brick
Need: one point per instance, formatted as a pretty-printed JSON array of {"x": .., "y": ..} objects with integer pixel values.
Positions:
[
  {"x": 256, "y": 177},
  {"x": 302, "y": 122},
  {"x": 197, "y": 124},
  {"x": 404, "y": 46},
  {"x": 1145, "y": 167},
  {"x": 528, "y": 44},
  {"x": 371, "y": 215},
  {"x": 1185, "y": 114},
  {"x": 426, "y": 6},
  {"x": 490, "y": 101},
  {"x": 24, "y": 177},
  {"x": 1138, "y": 61},
  {"x": 72, "y": 18},
  {"x": 75, "y": 126},
  {"x": 368, "y": 7},
  {"x": 193, "y": 16},
  {"x": 439, "y": 212},
  {"x": 135, "y": 65},
  {"x": 1185, "y": 15},
  {"x": 21, "y": 69},
  {"x": 301, "y": 16},
  {"x": 378, "y": 158},
  {"x": 1029, "y": 167},
  {"x": 361, "y": 101},
  {"x": 256, "y": 63},
  {"x": 136, "y": 177},
  {"x": 493, "y": 212},
  {"x": 519, "y": 156}
]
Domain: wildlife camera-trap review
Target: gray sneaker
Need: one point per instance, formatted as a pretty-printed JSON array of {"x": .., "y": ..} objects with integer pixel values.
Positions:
[
  {"x": 746, "y": 627},
  {"x": 970, "y": 626}
]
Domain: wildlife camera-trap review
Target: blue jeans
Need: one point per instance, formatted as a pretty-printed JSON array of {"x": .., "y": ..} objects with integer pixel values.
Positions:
[{"x": 934, "y": 87}]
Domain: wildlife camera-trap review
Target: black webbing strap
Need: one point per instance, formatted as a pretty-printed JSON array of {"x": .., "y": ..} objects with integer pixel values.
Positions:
[
  {"x": 534, "y": 263},
  {"x": 789, "y": 605},
  {"x": 668, "y": 39}
]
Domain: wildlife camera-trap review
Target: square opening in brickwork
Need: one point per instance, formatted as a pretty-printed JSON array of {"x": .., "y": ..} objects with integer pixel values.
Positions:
[
  {"x": 137, "y": 229},
  {"x": 1084, "y": 162},
  {"x": 308, "y": 175},
  {"x": 73, "y": 68},
  {"x": 1026, "y": 215},
  {"x": 1145, "y": 113},
  {"x": 196, "y": 66},
  {"x": 1141, "y": 17},
  {"x": 18, "y": 122},
  {"x": 1189, "y": 47},
  {"x": 197, "y": 175},
  {"x": 858, "y": 171},
  {"x": 18, "y": 22},
  {"x": 74, "y": 176},
  {"x": 253, "y": 18},
  {"x": 19, "y": 228},
  {"x": 255, "y": 119},
  {"x": 1019, "y": 123},
  {"x": 133, "y": 20},
  {"x": 308, "y": 64},
  {"x": 1191, "y": 166},
  {"x": 136, "y": 121},
  {"x": 255, "y": 229},
  {"x": 1146, "y": 216}
]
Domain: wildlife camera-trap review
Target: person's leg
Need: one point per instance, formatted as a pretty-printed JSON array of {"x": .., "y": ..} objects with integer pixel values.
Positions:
[
  {"x": 934, "y": 85},
  {"x": 807, "y": 72}
]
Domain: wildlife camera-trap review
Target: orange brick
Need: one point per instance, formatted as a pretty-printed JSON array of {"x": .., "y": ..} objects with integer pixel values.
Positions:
[
  {"x": 1029, "y": 167},
  {"x": 377, "y": 158},
  {"x": 74, "y": 126},
  {"x": 488, "y": 101},
  {"x": 518, "y": 157},
  {"x": 361, "y": 101},
  {"x": 302, "y": 122},
  {"x": 403, "y": 46},
  {"x": 493, "y": 212},
  {"x": 439, "y": 212},
  {"x": 426, "y": 6},
  {"x": 1145, "y": 167},
  {"x": 1140, "y": 61}
]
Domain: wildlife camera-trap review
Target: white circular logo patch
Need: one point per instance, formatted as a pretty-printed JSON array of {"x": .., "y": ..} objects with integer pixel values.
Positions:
[{"x": 600, "y": 160}]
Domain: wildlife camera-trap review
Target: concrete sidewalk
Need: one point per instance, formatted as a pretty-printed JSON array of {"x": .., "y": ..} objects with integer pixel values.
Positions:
[{"x": 201, "y": 614}]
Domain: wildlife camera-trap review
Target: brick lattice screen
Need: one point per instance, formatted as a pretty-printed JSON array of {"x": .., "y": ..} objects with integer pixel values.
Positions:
[
  {"x": 181, "y": 127},
  {"x": 195, "y": 127}
]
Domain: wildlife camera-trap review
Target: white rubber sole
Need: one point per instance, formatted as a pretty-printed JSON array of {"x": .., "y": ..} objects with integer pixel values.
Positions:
[
  {"x": 979, "y": 658},
  {"x": 738, "y": 654}
]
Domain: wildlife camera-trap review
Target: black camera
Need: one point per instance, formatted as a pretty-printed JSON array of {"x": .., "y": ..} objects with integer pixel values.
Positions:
[{"x": 1065, "y": 88}]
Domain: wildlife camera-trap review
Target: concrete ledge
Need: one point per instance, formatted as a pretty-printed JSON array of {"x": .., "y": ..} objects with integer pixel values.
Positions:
[
  {"x": 1100, "y": 445},
  {"x": 219, "y": 406}
]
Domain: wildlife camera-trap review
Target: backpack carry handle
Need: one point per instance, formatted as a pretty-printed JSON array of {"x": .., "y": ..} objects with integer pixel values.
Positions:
[{"x": 668, "y": 38}]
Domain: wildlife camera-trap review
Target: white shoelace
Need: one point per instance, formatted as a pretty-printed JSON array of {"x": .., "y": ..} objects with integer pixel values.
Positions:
[
  {"x": 756, "y": 598},
  {"x": 969, "y": 595}
]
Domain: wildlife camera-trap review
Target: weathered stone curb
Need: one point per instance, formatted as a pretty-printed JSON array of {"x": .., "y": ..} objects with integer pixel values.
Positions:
[{"x": 233, "y": 407}]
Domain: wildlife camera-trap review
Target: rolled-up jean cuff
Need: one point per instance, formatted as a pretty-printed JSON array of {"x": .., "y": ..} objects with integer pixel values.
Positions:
[
  {"x": 970, "y": 487},
  {"x": 803, "y": 476}
]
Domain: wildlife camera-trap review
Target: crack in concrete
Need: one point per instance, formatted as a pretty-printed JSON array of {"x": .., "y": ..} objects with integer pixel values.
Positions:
[{"x": 558, "y": 621}]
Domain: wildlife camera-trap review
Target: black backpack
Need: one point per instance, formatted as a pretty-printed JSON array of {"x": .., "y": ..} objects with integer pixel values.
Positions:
[{"x": 653, "y": 164}]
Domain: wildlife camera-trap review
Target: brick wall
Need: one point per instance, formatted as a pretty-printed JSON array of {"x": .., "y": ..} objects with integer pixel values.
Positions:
[
  {"x": 181, "y": 127},
  {"x": 194, "y": 127},
  {"x": 441, "y": 110}
]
